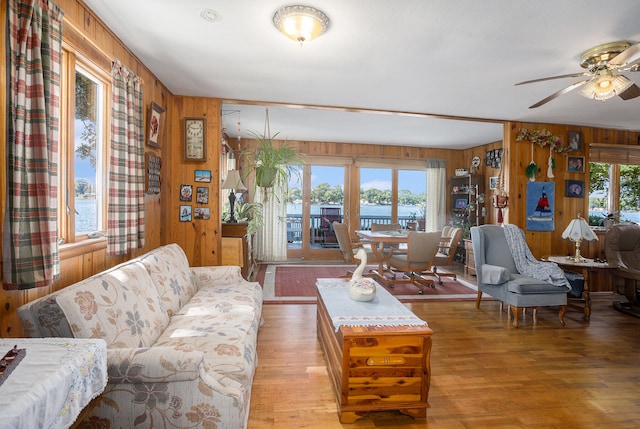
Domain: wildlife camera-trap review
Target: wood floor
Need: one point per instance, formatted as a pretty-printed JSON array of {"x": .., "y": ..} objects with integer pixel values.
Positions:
[{"x": 485, "y": 373}]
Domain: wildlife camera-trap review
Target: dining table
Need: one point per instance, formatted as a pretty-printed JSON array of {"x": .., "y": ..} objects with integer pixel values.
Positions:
[{"x": 380, "y": 239}]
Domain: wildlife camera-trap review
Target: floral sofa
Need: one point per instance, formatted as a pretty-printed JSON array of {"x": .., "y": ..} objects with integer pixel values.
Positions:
[{"x": 181, "y": 341}]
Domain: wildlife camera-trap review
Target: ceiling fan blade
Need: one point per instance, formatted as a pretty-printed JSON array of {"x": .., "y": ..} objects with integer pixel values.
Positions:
[
  {"x": 559, "y": 93},
  {"x": 628, "y": 56},
  {"x": 632, "y": 92},
  {"x": 554, "y": 77}
]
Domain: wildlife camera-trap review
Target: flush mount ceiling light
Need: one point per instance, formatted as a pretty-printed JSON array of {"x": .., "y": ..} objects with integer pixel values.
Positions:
[{"x": 301, "y": 23}]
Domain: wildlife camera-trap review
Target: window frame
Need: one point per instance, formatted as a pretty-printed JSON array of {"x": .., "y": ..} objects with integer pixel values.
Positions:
[{"x": 73, "y": 61}]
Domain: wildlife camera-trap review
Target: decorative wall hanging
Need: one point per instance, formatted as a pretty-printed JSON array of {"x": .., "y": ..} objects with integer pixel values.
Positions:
[
  {"x": 154, "y": 125},
  {"x": 153, "y": 173},
  {"x": 540, "y": 206},
  {"x": 202, "y": 213},
  {"x": 494, "y": 158}
]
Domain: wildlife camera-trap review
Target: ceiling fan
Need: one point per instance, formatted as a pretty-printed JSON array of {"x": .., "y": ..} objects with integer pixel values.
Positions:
[{"x": 602, "y": 78}]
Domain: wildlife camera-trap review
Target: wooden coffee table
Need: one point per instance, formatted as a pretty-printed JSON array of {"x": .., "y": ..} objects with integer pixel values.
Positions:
[{"x": 377, "y": 353}]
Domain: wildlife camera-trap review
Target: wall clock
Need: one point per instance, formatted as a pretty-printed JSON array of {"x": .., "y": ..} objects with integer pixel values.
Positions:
[{"x": 194, "y": 139}]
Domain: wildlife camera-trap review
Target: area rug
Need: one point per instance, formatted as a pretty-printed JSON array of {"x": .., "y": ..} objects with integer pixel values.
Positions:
[{"x": 295, "y": 284}]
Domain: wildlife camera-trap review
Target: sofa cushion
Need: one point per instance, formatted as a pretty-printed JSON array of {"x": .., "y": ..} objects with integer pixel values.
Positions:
[
  {"x": 528, "y": 285},
  {"x": 169, "y": 269},
  {"x": 221, "y": 321},
  {"x": 495, "y": 275},
  {"x": 121, "y": 305}
]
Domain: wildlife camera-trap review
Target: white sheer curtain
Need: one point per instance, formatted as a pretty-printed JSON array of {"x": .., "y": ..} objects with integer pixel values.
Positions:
[
  {"x": 271, "y": 238},
  {"x": 436, "y": 212}
]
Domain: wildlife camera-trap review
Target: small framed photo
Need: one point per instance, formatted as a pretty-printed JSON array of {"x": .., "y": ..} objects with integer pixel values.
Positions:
[
  {"x": 202, "y": 176},
  {"x": 154, "y": 126},
  {"x": 575, "y": 163},
  {"x": 202, "y": 195},
  {"x": 185, "y": 213},
  {"x": 202, "y": 213},
  {"x": 575, "y": 140},
  {"x": 461, "y": 203},
  {"x": 493, "y": 182},
  {"x": 186, "y": 192},
  {"x": 574, "y": 188}
]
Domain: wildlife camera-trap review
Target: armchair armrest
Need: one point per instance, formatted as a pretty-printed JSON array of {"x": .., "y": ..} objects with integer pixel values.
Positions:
[
  {"x": 627, "y": 273},
  {"x": 152, "y": 365}
]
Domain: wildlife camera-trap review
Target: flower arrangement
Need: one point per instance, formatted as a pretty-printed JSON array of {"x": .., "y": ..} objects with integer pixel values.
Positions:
[{"x": 544, "y": 138}]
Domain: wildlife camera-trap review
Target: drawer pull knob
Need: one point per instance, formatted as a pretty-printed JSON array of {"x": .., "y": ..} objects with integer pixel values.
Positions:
[{"x": 386, "y": 360}]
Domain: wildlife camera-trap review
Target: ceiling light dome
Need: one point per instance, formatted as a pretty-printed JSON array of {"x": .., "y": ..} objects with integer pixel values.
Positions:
[
  {"x": 301, "y": 23},
  {"x": 605, "y": 85}
]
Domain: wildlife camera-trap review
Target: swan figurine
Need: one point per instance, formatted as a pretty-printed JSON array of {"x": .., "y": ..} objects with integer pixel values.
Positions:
[{"x": 361, "y": 288}]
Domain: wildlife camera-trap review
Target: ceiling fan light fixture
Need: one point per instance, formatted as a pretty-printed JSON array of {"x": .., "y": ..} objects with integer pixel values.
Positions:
[
  {"x": 604, "y": 86},
  {"x": 301, "y": 23}
]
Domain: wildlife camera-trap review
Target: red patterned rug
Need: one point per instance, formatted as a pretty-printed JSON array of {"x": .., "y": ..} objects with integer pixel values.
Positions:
[{"x": 296, "y": 284}]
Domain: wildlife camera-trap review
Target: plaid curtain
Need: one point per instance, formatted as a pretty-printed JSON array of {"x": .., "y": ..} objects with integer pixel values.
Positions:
[
  {"x": 125, "y": 217},
  {"x": 30, "y": 238}
]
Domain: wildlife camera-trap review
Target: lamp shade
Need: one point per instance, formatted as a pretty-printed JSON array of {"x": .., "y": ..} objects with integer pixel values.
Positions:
[
  {"x": 233, "y": 181},
  {"x": 579, "y": 230}
]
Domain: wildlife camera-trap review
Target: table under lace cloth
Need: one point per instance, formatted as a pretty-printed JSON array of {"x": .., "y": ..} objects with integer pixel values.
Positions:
[
  {"x": 53, "y": 383},
  {"x": 384, "y": 310}
]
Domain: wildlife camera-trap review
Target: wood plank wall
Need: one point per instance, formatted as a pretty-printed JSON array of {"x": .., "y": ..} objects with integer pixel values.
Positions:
[{"x": 201, "y": 239}]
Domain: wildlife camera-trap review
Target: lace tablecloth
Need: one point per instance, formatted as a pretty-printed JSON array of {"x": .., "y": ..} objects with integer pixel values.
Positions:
[
  {"x": 384, "y": 310},
  {"x": 57, "y": 378}
]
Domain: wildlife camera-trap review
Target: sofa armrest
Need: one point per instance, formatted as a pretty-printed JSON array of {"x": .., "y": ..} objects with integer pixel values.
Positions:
[
  {"x": 153, "y": 365},
  {"x": 217, "y": 275}
]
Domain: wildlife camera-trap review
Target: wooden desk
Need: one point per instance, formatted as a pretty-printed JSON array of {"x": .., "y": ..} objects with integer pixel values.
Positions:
[
  {"x": 374, "y": 365},
  {"x": 584, "y": 268}
]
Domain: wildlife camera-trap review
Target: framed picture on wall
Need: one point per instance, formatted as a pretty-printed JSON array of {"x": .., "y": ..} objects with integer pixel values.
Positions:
[
  {"x": 574, "y": 188},
  {"x": 154, "y": 125},
  {"x": 493, "y": 182},
  {"x": 461, "y": 203},
  {"x": 575, "y": 163},
  {"x": 186, "y": 192},
  {"x": 185, "y": 213},
  {"x": 202, "y": 213},
  {"x": 575, "y": 140},
  {"x": 202, "y": 176},
  {"x": 202, "y": 195}
]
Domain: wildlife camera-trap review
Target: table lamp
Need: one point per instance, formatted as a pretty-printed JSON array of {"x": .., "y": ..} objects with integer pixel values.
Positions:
[
  {"x": 577, "y": 231},
  {"x": 233, "y": 182}
]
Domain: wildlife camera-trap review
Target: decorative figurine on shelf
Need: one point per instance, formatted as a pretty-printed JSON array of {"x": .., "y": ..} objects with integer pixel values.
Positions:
[{"x": 361, "y": 288}]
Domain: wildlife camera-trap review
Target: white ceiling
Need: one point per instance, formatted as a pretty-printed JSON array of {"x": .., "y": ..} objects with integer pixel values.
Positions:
[{"x": 421, "y": 60}]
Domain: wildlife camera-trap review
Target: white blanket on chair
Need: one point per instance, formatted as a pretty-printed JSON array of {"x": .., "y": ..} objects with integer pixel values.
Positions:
[{"x": 527, "y": 264}]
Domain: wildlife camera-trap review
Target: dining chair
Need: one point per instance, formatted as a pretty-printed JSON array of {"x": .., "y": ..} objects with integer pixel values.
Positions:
[
  {"x": 449, "y": 240},
  {"x": 349, "y": 246},
  {"x": 415, "y": 259}
]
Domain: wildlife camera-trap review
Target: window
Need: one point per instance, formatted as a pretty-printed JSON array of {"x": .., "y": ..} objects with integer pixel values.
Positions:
[
  {"x": 83, "y": 149},
  {"x": 614, "y": 191}
]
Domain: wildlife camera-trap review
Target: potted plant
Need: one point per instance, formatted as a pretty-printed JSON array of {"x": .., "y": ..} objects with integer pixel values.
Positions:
[
  {"x": 273, "y": 164},
  {"x": 412, "y": 224},
  {"x": 250, "y": 213}
]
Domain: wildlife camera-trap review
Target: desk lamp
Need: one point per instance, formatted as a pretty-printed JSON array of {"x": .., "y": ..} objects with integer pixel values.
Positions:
[
  {"x": 577, "y": 231},
  {"x": 233, "y": 182}
]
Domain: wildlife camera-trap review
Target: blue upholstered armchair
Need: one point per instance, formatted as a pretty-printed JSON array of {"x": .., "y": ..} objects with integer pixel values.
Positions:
[{"x": 498, "y": 276}]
